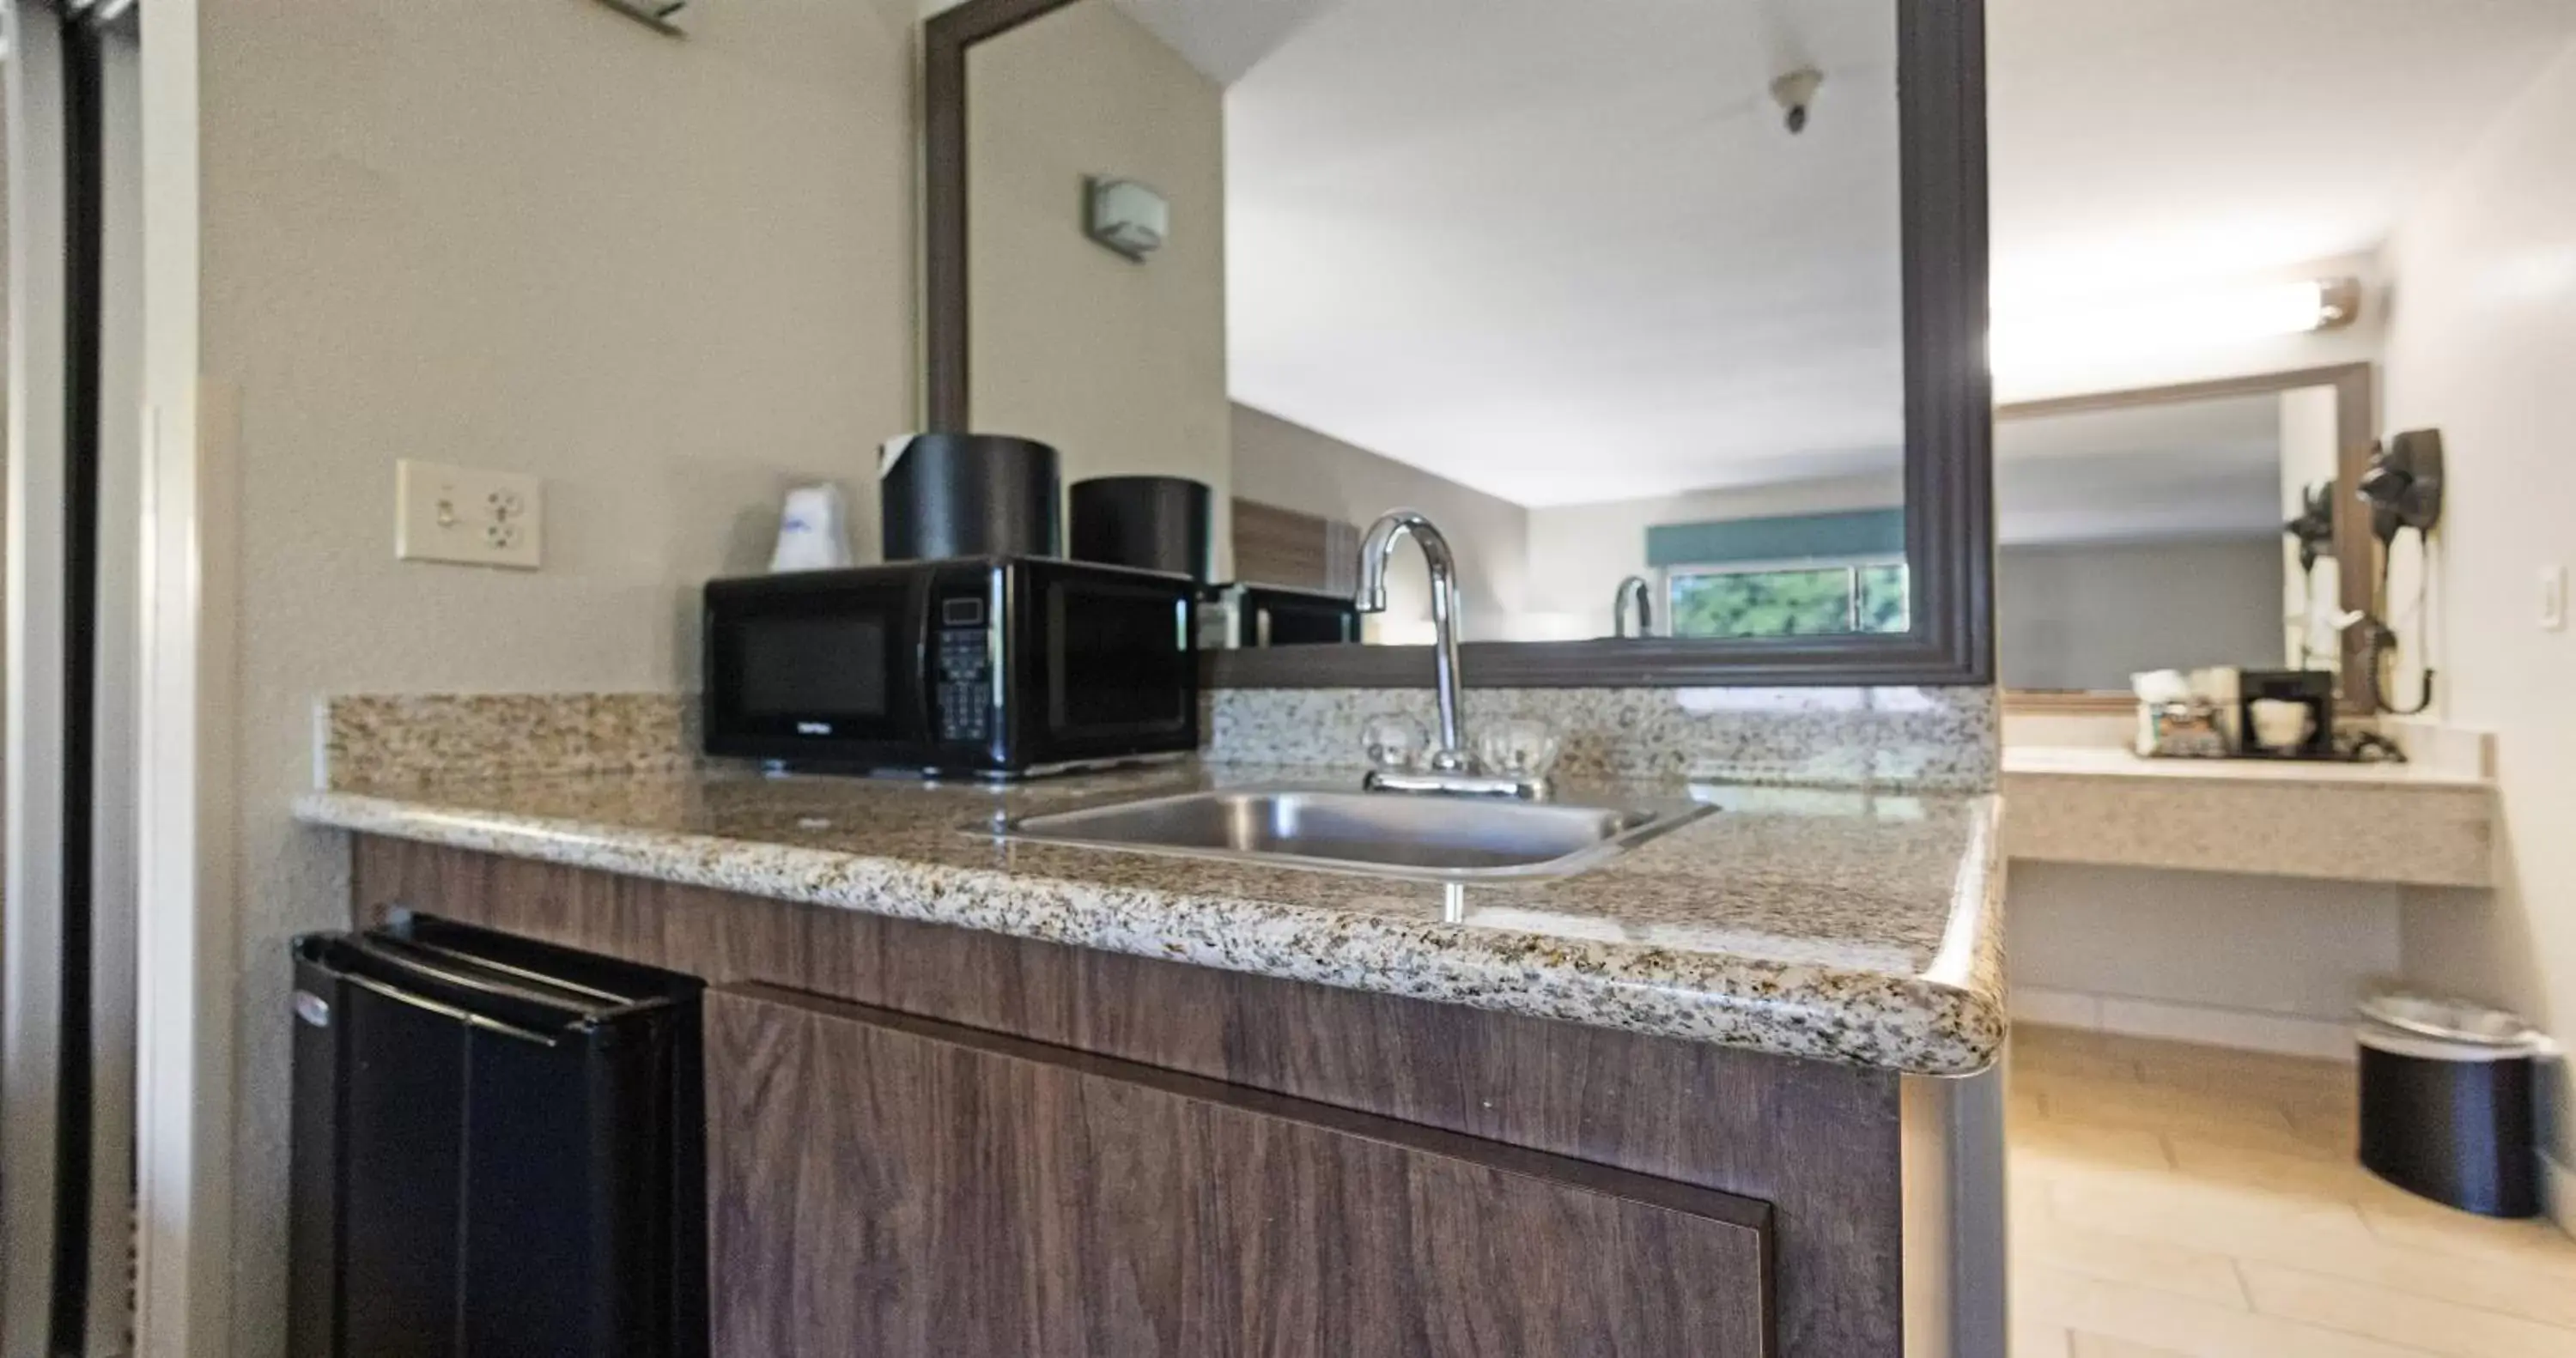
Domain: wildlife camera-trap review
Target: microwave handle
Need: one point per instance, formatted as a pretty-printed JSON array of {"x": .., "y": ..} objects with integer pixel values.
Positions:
[
  {"x": 925, "y": 682},
  {"x": 1261, "y": 627}
]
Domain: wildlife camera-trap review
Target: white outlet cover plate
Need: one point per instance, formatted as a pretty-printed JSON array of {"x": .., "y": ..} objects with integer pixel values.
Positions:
[
  {"x": 467, "y": 516},
  {"x": 2553, "y": 598}
]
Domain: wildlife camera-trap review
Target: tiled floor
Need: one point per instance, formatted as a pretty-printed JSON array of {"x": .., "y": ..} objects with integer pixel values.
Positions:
[{"x": 2175, "y": 1200}]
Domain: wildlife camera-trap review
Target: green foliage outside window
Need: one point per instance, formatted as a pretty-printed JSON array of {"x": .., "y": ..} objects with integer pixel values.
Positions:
[
  {"x": 1884, "y": 601},
  {"x": 1802, "y": 601}
]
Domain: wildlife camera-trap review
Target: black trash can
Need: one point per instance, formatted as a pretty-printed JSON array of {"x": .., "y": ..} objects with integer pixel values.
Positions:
[{"x": 2447, "y": 1108}]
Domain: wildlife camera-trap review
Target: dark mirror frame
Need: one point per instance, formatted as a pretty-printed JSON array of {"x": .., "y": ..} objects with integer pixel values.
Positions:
[{"x": 1949, "y": 472}]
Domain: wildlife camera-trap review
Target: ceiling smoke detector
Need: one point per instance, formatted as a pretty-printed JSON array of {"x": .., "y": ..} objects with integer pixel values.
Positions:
[{"x": 1795, "y": 93}]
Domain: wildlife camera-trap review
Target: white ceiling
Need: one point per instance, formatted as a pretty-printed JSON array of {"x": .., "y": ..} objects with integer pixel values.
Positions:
[
  {"x": 2140, "y": 142},
  {"x": 1565, "y": 253},
  {"x": 2151, "y": 473}
]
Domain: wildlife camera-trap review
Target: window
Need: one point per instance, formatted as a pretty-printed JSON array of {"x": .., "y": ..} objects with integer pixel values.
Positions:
[{"x": 1807, "y": 599}]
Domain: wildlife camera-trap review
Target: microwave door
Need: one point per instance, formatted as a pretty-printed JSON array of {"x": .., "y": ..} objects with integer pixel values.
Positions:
[
  {"x": 803, "y": 669},
  {"x": 1122, "y": 664}
]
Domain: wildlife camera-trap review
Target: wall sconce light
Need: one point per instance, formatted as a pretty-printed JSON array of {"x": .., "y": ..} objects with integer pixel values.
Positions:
[
  {"x": 1125, "y": 216},
  {"x": 2179, "y": 320}
]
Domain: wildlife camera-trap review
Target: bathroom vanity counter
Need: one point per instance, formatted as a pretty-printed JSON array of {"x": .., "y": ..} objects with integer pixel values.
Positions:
[
  {"x": 2108, "y": 761},
  {"x": 2414, "y": 824},
  {"x": 1843, "y": 925}
]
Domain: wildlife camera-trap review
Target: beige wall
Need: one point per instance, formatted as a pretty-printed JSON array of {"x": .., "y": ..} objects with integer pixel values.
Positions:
[
  {"x": 669, "y": 277},
  {"x": 2087, "y": 616},
  {"x": 2480, "y": 346},
  {"x": 1582, "y": 552},
  {"x": 1277, "y": 462},
  {"x": 1119, "y": 365}
]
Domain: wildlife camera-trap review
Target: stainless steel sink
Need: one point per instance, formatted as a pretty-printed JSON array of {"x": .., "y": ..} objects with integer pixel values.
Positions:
[{"x": 1388, "y": 833}]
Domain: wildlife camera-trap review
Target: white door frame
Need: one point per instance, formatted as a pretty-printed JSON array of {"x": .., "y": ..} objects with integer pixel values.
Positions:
[
  {"x": 31, "y": 1056},
  {"x": 39, "y": 1050},
  {"x": 166, "y": 744},
  {"x": 187, "y": 828}
]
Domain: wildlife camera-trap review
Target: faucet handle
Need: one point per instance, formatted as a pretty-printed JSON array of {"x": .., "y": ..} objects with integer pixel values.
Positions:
[
  {"x": 1519, "y": 748},
  {"x": 1394, "y": 743}
]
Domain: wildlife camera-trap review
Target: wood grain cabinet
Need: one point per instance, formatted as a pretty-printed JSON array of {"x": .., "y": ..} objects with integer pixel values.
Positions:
[
  {"x": 1137, "y": 1156},
  {"x": 889, "y": 1185}
]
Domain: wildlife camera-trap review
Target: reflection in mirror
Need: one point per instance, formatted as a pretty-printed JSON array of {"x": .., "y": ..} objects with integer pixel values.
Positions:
[
  {"x": 2176, "y": 534},
  {"x": 1562, "y": 277}
]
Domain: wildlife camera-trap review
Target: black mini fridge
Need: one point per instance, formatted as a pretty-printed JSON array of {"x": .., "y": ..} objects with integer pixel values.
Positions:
[{"x": 499, "y": 1150}]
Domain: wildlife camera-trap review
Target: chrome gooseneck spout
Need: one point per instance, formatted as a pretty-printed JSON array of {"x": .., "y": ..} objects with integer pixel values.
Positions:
[
  {"x": 1450, "y": 768},
  {"x": 1636, "y": 597},
  {"x": 1371, "y": 598}
]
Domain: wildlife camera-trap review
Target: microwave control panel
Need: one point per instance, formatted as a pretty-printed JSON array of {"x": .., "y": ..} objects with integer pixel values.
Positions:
[{"x": 965, "y": 673}]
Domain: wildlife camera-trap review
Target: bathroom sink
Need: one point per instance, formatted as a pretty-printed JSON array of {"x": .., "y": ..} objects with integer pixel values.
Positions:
[{"x": 1389, "y": 833}]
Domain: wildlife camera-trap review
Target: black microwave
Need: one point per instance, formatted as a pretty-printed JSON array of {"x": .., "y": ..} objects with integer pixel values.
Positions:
[{"x": 993, "y": 667}]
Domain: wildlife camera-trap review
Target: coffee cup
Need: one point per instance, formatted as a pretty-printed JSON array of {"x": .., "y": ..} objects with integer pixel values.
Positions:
[{"x": 2281, "y": 725}]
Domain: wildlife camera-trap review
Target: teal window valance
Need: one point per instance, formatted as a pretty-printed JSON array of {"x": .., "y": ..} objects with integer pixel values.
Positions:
[{"x": 1786, "y": 537}]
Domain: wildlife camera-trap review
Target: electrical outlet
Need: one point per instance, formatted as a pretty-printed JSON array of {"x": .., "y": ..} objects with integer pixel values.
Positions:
[
  {"x": 2553, "y": 598},
  {"x": 472, "y": 518}
]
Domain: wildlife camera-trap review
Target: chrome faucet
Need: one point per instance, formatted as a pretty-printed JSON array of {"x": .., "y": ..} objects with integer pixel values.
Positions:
[
  {"x": 1636, "y": 593},
  {"x": 1451, "y": 767},
  {"x": 1451, "y": 756}
]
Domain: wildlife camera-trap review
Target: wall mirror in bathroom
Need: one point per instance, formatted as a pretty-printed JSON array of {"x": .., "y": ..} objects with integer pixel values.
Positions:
[
  {"x": 2182, "y": 527},
  {"x": 1640, "y": 302}
]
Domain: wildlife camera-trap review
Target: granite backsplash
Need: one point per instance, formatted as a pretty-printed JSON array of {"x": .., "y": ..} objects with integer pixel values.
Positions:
[
  {"x": 374, "y": 740},
  {"x": 1928, "y": 739}
]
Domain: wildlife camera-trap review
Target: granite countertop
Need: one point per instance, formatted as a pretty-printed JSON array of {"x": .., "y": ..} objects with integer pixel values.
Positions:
[{"x": 1854, "y": 926}]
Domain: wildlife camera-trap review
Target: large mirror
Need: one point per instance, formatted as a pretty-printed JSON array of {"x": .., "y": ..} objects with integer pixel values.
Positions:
[
  {"x": 1667, "y": 316},
  {"x": 2187, "y": 527}
]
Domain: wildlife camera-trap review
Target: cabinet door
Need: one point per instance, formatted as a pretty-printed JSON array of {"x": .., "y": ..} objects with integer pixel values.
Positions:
[{"x": 890, "y": 1186}]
